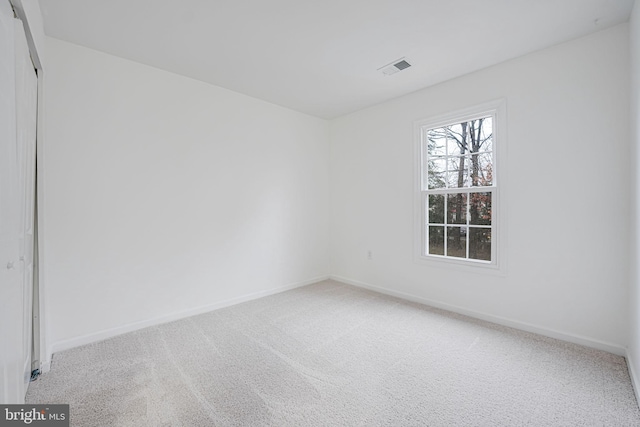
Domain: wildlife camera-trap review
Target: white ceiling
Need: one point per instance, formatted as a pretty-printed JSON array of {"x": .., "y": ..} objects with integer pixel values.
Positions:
[{"x": 321, "y": 56}]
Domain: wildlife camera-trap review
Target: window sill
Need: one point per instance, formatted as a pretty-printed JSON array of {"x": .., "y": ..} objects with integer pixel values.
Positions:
[{"x": 461, "y": 265}]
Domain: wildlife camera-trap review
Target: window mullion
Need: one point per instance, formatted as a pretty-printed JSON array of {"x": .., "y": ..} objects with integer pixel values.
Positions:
[
  {"x": 478, "y": 189},
  {"x": 446, "y": 229},
  {"x": 468, "y": 213}
]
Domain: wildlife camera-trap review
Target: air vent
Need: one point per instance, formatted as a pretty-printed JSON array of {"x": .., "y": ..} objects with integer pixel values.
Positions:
[{"x": 395, "y": 66}]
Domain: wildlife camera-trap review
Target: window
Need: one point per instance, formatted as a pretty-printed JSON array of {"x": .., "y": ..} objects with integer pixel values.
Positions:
[{"x": 458, "y": 186}]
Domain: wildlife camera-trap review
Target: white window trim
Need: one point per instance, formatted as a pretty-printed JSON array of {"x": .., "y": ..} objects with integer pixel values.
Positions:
[{"x": 496, "y": 108}]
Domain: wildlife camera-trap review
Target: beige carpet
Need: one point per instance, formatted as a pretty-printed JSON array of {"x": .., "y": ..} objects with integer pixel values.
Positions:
[{"x": 329, "y": 354}]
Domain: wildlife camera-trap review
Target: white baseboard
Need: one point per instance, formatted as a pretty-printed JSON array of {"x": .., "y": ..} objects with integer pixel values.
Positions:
[
  {"x": 632, "y": 374},
  {"x": 119, "y": 330},
  {"x": 528, "y": 327},
  {"x": 45, "y": 366}
]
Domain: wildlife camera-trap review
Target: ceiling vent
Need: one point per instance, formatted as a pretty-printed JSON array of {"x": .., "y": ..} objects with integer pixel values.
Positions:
[{"x": 395, "y": 66}]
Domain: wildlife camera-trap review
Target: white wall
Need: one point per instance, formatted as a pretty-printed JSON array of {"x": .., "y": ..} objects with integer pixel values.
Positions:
[
  {"x": 166, "y": 195},
  {"x": 633, "y": 356},
  {"x": 567, "y": 193}
]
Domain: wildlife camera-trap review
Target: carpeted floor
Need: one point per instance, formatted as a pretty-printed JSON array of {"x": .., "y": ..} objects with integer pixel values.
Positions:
[{"x": 329, "y": 354}]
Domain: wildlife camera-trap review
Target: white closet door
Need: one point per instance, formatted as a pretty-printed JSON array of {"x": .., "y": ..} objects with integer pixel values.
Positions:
[
  {"x": 26, "y": 117},
  {"x": 11, "y": 309},
  {"x": 16, "y": 177}
]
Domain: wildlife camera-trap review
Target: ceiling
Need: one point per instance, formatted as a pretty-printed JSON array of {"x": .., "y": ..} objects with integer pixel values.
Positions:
[{"x": 321, "y": 57}]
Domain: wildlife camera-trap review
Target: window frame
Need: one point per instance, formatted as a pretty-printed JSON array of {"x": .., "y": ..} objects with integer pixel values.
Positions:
[{"x": 497, "y": 110}]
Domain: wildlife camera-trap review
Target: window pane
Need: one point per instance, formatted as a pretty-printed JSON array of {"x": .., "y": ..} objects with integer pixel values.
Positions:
[
  {"x": 480, "y": 243},
  {"x": 454, "y": 130},
  {"x": 436, "y": 240},
  {"x": 481, "y": 169},
  {"x": 458, "y": 175},
  {"x": 485, "y": 141},
  {"x": 436, "y": 208},
  {"x": 436, "y": 175},
  {"x": 436, "y": 143},
  {"x": 456, "y": 208},
  {"x": 455, "y": 144},
  {"x": 486, "y": 146},
  {"x": 480, "y": 209},
  {"x": 457, "y": 242}
]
